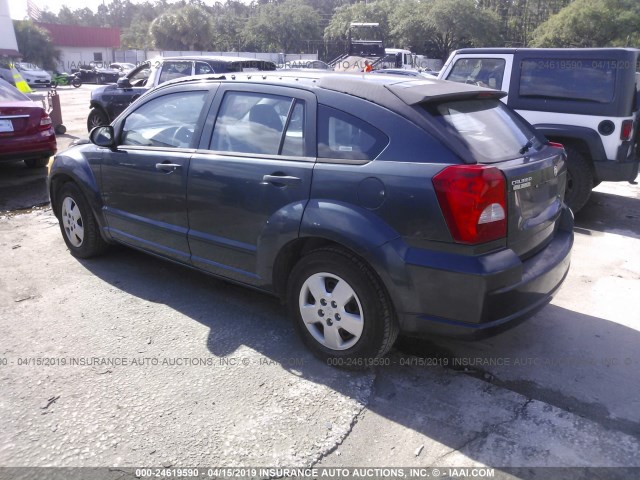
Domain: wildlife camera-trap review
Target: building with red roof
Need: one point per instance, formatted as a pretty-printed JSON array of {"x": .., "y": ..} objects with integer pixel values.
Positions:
[{"x": 81, "y": 45}]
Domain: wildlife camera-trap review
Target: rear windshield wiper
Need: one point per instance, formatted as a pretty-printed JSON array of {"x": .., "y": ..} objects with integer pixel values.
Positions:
[{"x": 525, "y": 148}]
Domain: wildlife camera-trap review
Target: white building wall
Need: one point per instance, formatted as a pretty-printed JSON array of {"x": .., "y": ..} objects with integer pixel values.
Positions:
[{"x": 71, "y": 57}]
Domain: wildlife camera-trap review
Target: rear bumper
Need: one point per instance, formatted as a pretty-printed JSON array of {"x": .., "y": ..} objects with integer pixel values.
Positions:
[
  {"x": 617, "y": 171},
  {"x": 25, "y": 148},
  {"x": 481, "y": 296}
]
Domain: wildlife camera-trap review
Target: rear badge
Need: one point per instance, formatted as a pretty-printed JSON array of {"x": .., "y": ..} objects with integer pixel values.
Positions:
[{"x": 521, "y": 183}]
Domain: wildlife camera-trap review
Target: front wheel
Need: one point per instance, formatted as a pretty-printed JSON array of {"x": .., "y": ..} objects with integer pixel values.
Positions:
[
  {"x": 340, "y": 309},
  {"x": 96, "y": 119},
  {"x": 79, "y": 227}
]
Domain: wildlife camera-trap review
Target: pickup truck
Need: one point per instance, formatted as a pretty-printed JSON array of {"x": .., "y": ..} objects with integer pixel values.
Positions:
[{"x": 585, "y": 99}]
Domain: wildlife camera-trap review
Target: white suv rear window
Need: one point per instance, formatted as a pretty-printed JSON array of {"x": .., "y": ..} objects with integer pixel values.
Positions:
[{"x": 566, "y": 79}]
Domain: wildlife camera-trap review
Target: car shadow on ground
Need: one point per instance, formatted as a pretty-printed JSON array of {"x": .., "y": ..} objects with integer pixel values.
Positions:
[
  {"x": 580, "y": 363},
  {"x": 606, "y": 212},
  {"x": 22, "y": 187}
]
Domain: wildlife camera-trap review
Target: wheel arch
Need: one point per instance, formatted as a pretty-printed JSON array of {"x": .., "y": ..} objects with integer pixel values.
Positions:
[
  {"x": 359, "y": 232},
  {"x": 101, "y": 108},
  {"x": 87, "y": 185}
]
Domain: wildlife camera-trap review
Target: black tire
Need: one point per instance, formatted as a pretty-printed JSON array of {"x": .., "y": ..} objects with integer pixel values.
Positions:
[
  {"x": 78, "y": 225},
  {"x": 76, "y": 82},
  {"x": 579, "y": 179},
  {"x": 369, "y": 302},
  {"x": 60, "y": 129},
  {"x": 37, "y": 162},
  {"x": 96, "y": 118}
]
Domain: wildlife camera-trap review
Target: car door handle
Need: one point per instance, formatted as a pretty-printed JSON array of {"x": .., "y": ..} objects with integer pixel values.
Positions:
[
  {"x": 167, "y": 166},
  {"x": 281, "y": 180}
]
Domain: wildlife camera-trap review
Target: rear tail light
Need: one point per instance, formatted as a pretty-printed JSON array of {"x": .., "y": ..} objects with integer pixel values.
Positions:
[
  {"x": 626, "y": 132},
  {"x": 555, "y": 145},
  {"x": 45, "y": 121},
  {"x": 473, "y": 199}
]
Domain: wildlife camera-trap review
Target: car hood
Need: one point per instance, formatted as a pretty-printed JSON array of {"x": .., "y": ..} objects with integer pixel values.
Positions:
[{"x": 97, "y": 93}]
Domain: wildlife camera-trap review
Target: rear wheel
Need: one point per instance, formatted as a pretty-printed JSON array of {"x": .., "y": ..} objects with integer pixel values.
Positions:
[
  {"x": 96, "y": 119},
  {"x": 79, "y": 227},
  {"x": 340, "y": 309},
  {"x": 76, "y": 82},
  {"x": 37, "y": 162},
  {"x": 579, "y": 179}
]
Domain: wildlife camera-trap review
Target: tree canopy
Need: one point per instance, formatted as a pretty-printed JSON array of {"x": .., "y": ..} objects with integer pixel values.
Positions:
[
  {"x": 430, "y": 27},
  {"x": 592, "y": 23},
  {"x": 35, "y": 45}
]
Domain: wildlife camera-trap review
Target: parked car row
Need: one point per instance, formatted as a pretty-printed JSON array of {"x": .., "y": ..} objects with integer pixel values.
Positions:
[
  {"x": 407, "y": 204},
  {"x": 26, "y": 130},
  {"x": 32, "y": 74},
  {"x": 109, "y": 101}
]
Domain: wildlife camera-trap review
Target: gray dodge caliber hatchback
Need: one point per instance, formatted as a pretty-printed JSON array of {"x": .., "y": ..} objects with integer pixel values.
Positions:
[{"x": 372, "y": 206}]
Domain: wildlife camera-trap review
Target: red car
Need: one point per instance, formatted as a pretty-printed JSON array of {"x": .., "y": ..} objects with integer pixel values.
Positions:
[{"x": 26, "y": 131}]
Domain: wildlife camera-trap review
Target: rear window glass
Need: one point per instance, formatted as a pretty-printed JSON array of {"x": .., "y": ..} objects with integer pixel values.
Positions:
[
  {"x": 580, "y": 80},
  {"x": 343, "y": 136},
  {"x": 490, "y": 131}
]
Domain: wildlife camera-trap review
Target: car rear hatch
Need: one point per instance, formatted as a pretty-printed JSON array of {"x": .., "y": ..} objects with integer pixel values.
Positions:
[{"x": 490, "y": 136}]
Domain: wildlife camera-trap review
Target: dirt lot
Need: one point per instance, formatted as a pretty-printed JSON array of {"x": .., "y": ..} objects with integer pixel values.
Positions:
[{"x": 129, "y": 361}]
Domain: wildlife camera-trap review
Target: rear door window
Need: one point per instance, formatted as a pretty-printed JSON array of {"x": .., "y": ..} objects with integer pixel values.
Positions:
[
  {"x": 259, "y": 123},
  {"x": 583, "y": 80},
  {"x": 343, "y": 136},
  {"x": 174, "y": 69},
  {"x": 490, "y": 131},
  {"x": 203, "y": 68}
]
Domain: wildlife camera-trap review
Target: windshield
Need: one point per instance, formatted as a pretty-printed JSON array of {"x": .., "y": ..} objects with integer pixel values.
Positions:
[{"x": 488, "y": 128}]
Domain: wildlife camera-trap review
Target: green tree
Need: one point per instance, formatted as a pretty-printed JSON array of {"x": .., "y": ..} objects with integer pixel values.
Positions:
[
  {"x": 282, "y": 27},
  {"x": 591, "y": 23},
  {"x": 35, "y": 45},
  {"x": 518, "y": 18},
  {"x": 185, "y": 28},
  {"x": 138, "y": 35},
  {"x": 373, "y": 12},
  {"x": 436, "y": 27},
  {"x": 228, "y": 22}
]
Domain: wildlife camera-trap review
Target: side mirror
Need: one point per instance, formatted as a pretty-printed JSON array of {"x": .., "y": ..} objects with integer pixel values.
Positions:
[
  {"x": 103, "y": 136},
  {"x": 124, "y": 82}
]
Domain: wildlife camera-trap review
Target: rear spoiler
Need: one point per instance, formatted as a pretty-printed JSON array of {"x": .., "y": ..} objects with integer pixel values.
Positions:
[{"x": 428, "y": 91}]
